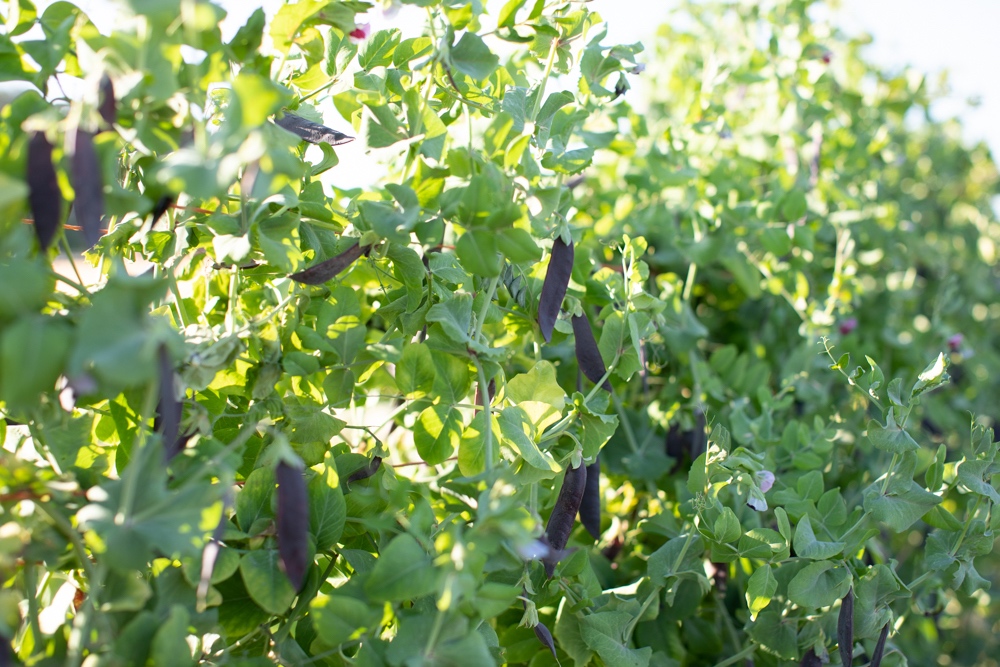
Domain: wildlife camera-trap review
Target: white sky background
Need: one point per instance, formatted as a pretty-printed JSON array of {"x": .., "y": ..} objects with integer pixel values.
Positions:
[{"x": 957, "y": 36}]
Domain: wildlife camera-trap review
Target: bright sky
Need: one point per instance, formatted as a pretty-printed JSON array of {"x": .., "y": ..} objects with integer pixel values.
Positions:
[{"x": 958, "y": 36}]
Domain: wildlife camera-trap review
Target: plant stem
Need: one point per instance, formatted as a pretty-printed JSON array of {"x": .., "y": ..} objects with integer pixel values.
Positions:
[
  {"x": 545, "y": 78},
  {"x": 485, "y": 308},
  {"x": 484, "y": 390},
  {"x": 745, "y": 653},
  {"x": 888, "y": 473},
  {"x": 965, "y": 528}
]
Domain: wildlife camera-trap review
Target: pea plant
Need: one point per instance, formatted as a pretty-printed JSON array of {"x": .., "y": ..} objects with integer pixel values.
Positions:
[{"x": 571, "y": 385}]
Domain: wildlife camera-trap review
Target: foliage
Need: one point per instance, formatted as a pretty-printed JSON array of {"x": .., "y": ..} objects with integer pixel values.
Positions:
[{"x": 335, "y": 426}]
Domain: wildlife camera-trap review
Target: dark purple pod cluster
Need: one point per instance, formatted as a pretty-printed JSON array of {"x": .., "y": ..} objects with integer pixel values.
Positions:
[
  {"x": 563, "y": 515},
  {"x": 324, "y": 271},
  {"x": 44, "y": 196},
  {"x": 311, "y": 132},
  {"x": 590, "y": 506},
  {"x": 588, "y": 355},
  {"x": 845, "y": 629},
  {"x": 293, "y": 523},
  {"x": 554, "y": 287},
  {"x": 88, "y": 186}
]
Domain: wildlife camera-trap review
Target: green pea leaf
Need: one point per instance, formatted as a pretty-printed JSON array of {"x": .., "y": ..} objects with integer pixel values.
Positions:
[
  {"x": 471, "y": 56},
  {"x": 403, "y": 572},
  {"x": 819, "y": 584}
]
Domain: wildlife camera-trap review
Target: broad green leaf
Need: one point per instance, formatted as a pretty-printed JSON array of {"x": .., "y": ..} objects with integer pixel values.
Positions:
[
  {"x": 170, "y": 645},
  {"x": 265, "y": 581},
  {"x": 403, "y": 572},
  {"x": 971, "y": 474},
  {"x": 760, "y": 589},
  {"x": 807, "y": 546},
  {"x": 603, "y": 633},
  {"x": 339, "y": 618},
  {"x": 901, "y": 506},
  {"x": 477, "y": 250},
  {"x": 288, "y": 21},
  {"x": 819, "y": 584},
  {"x": 776, "y": 634},
  {"x": 378, "y": 49},
  {"x": 454, "y": 316},
  {"x": 327, "y": 508},
  {"x": 891, "y": 438},
  {"x": 437, "y": 433},
  {"x": 254, "y": 500},
  {"x": 472, "y": 446},
  {"x": 471, "y": 56},
  {"x": 33, "y": 354},
  {"x": 415, "y": 371},
  {"x": 516, "y": 427}
]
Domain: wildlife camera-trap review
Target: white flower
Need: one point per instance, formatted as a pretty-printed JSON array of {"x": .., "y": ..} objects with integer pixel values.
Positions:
[
  {"x": 360, "y": 33},
  {"x": 756, "y": 501},
  {"x": 765, "y": 479}
]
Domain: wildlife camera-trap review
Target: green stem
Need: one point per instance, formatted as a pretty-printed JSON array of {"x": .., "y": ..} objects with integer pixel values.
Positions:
[
  {"x": 545, "y": 78},
  {"x": 888, "y": 473},
  {"x": 965, "y": 528},
  {"x": 642, "y": 610},
  {"x": 136, "y": 458},
  {"x": 302, "y": 603},
  {"x": 733, "y": 659},
  {"x": 484, "y": 390},
  {"x": 435, "y": 632},
  {"x": 629, "y": 434},
  {"x": 31, "y": 592},
  {"x": 485, "y": 308}
]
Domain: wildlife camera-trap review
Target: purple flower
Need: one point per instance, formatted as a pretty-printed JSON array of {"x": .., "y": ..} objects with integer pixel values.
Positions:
[
  {"x": 360, "y": 33},
  {"x": 848, "y": 325},
  {"x": 765, "y": 478},
  {"x": 955, "y": 342}
]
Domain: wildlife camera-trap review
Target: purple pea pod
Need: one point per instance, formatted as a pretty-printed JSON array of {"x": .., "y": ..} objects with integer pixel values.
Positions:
[
  {"x": 44, "y": 196},
  {"x": 554, "y": 287},
  {"x": 324, "y": 271},
  {"x": 293, "y": 523}
]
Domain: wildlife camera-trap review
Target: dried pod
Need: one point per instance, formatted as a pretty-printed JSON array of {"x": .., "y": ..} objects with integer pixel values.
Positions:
[
  {"x": 880, "y": 647},
  {"x": 845, "y": 629},
  {"x": 312, "y": 132},
  {"x": 685, "y": 446},
  {"x": 491, "y": 388},
  {"x": 161, "y": 206},
  {"x": 590, "y": 506},
  {"x": 563, "y": 515},
  {"x": 44, "y": 196},
  {"x": 169, "y": 409},
  {"x": 810, "y": 659},
  {"x": 88, "y": 186},
  {"x": 293, "y": 523},
  {"x": 107, "y": 105},
  {"x": 588, "y": 355},
  {"x": 320, "y": 273},
  {"x": 554, "y": 287},
  {"x": 545, "y": 637},
  {"x": 365, "y": 471}
]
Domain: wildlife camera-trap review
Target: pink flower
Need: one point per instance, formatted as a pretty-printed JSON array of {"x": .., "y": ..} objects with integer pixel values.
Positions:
[
  {"x": 360, "y": 33},
  {"x": 848, "y": 325},
  {"x": 765, "y": 478},
  {"x": 955, "y": 342}
]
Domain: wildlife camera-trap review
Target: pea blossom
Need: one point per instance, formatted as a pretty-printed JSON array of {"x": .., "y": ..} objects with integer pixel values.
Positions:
[
  {"x": 765, "y": 480},
  {"x": 360, "y": 33}
]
